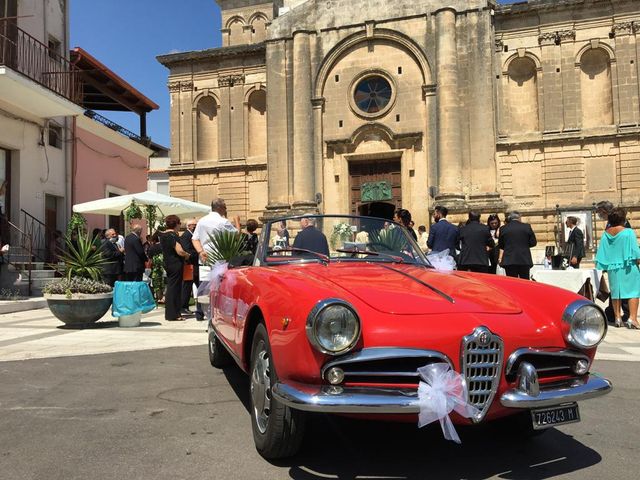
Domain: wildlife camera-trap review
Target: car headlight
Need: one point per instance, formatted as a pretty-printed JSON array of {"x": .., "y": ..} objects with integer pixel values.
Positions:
[
  {"x": 585, "y": 325},
  {"x": 333, "y": 326}
]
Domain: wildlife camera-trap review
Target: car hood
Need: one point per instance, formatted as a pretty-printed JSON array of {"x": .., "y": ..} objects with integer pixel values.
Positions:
[{"x": 413, "y": 290}]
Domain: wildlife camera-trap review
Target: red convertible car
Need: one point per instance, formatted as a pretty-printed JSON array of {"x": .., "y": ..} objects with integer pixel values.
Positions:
[{"x": 337, "y": 313}]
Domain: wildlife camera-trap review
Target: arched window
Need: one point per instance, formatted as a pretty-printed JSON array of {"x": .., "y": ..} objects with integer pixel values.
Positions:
[
  {"x": 522, "y": 96},
  {"x": 258, "y": 123},
  {"x": 235, "y": 33},
  {"x": 258, "y": 30},
  {"x": 207, "y": 129},
  {"x": 595, "y": 87}
]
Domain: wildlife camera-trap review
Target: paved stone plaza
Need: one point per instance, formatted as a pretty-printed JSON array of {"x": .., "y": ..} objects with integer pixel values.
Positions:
[
  {"x": 109, "y": 402},
  {"x": 38, "y": 334}
]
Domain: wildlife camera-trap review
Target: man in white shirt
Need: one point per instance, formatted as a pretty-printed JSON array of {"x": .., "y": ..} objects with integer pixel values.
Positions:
[{"x": 210, "y": 223}]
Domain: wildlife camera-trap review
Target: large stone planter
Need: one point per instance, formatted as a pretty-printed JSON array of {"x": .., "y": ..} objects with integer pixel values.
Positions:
[{"x": 80, "y": 309}]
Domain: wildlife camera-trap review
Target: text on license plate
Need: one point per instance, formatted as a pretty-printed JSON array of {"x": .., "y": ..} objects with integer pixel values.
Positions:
[{"x": 552, "y": 416}]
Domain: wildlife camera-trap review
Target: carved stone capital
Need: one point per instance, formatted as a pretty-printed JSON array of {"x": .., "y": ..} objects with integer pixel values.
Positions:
[
  {"x": 186, "y": 86},
  {"x": 429, "y": 90},
  {"x": 317, "y": 102},
  {"x": 174, "y": 87},
  {"x": 623, "y": 28},
  {"x": 556, "y": 38},
  {"x": 231, "y": 80},
  {"x": 547, "y": 38},
  {"x": 499, "y": 45},
  {"x": 566, "y": 35}
]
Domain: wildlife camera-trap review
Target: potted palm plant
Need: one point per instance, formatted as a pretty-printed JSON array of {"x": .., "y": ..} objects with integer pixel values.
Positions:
[{"x": 80, "y": 297}]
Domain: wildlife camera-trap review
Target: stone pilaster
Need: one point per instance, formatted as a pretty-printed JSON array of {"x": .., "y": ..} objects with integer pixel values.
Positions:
[
  {"x": 481, "y": 106},
  {"x": 449, "y": 151},
  {"x": 277, "y": 132},
  {"x": 303, "y": 164}
]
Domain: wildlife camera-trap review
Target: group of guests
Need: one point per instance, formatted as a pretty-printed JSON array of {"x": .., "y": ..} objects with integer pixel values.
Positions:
[
  {"x": 183, "y": 253},
  {"x": 478, "y": 247},
  {"x": 482, "y": 248},
  {"x": 125, "y": 255}
]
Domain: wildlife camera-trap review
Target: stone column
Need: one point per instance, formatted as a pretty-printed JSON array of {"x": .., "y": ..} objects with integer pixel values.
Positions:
[
  {"x": 449, "y": 138},
  {"x": 481, "y": 112},
  {"x": 303, "y": 164},
  {"x": 277, "y": 133}
]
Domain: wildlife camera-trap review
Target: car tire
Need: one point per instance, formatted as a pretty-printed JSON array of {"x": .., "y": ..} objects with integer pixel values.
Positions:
[
  {"x": 218, "y": 355},
  {"x": 278, "y": 430}
]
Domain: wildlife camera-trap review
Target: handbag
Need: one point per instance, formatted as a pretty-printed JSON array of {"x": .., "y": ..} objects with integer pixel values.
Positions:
[{"x": 187, "y": 272}]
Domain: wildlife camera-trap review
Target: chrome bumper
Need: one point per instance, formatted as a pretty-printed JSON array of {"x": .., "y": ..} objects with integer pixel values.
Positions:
[
  {"x": 571, "y": 391},
  {"x": 329, "y": 399},
  {"x": 373, "y": 400}
]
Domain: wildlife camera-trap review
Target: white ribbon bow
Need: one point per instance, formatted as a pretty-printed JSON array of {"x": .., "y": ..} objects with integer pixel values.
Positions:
[{"x": 441, "y": 392}]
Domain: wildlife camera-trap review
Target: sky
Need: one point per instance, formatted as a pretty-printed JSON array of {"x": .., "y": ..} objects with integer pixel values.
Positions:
[{"x": 127, "y": 35}]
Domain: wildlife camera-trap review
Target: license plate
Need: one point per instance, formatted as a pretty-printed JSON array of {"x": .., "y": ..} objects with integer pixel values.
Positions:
[{"x": 552, "y": 416}]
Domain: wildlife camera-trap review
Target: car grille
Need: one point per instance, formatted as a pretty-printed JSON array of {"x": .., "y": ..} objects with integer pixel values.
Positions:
[
  {"x": 388, "y": 366},
  {"x": 548, "y": 363},
  {"x": 482, "y": 354}
]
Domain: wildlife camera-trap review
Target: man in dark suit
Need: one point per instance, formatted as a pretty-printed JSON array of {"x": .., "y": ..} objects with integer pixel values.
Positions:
[
  {"x": 310, "y": 238},
  {"x": 134, "y": 256},
  {"x": 442, "y": 235},
  {"x": 475, "y": 243},
  {"x": 515, "y": 243},
  {"x": 575, "y": 242},
  {"x": 187, "y": 285},
  {"x": 113, "y": 254}
]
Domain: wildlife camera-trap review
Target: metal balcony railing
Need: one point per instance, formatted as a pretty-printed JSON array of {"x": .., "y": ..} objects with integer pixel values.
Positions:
[
  {"x": 146, "y": 141},
  {"x": 33, "y": 59}
]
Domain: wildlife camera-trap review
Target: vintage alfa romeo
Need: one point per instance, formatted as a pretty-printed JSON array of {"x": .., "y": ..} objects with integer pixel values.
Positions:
[{"x": 336, "y": 314}]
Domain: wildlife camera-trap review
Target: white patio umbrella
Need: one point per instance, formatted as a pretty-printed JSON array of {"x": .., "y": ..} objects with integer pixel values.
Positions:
[{"x": 166, "y": 204}]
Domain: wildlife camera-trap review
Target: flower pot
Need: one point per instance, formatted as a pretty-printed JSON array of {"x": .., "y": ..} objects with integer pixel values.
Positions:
[{"x": 80, "y": 309}]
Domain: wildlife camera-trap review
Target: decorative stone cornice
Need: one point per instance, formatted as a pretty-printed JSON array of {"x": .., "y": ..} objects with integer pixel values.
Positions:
[
  {"x": 556, "y": 38},
  {"x": 186, "y": 86},
  {"x": 174, "y": 87},
  {"x": 231, "y": 80}
]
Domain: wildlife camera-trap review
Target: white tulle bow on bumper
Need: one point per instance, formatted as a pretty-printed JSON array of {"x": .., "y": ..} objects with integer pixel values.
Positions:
[{"x": 440, "y": 392}]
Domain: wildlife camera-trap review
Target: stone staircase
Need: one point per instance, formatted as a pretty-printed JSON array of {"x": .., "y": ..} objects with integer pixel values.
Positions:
[{"x": 19, "y": 271}]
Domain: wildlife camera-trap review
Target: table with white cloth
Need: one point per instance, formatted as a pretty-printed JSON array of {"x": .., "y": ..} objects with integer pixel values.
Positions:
[{"x": 585, "y": 281}]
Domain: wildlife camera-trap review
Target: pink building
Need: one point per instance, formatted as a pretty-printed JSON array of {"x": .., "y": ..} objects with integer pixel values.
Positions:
[{"x": 108, "y": 160}]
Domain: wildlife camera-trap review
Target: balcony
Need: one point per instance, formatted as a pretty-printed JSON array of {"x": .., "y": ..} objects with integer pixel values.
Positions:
[{"x": 33, "y": 78}]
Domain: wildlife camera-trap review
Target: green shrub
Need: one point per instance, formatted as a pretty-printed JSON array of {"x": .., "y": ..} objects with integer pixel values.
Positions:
[
  {"x": 82, "y": 258},
  {"x": 225, "y": 245},
  {"x": 65, "y": 286}
]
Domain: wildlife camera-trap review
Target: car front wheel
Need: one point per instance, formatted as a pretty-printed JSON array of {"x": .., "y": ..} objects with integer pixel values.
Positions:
[{"x": 277, "y": 429}]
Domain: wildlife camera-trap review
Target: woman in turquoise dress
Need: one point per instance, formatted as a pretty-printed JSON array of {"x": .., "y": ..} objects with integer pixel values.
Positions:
[{"x": 619, "y": 255}]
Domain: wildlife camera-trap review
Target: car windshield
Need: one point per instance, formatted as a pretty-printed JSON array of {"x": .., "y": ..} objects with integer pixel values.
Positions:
[{"x": 328, "y": 238}]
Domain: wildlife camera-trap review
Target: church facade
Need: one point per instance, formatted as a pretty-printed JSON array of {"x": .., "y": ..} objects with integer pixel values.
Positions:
[{"x": 342, "y": 106}]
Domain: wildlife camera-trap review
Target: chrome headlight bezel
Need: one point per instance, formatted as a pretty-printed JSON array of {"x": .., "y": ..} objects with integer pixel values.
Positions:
[
  {"x": 570, "y": 317},
  {"x": 315, "y": 316}
]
